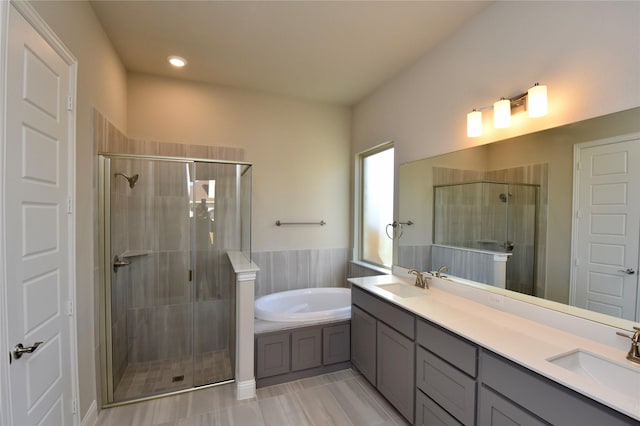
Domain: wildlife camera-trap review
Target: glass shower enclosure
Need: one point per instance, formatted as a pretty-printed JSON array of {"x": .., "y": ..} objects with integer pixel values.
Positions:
[
  {"x": 491, "y": 217},
  {"x": 167, "y": 290}
]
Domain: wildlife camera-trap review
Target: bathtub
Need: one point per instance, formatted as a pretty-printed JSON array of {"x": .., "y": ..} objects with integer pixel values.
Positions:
[{"x": 307, "y": 304}]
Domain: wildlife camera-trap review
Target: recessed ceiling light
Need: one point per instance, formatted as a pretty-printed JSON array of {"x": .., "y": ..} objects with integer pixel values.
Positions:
[{"x": 177, "y": 61}]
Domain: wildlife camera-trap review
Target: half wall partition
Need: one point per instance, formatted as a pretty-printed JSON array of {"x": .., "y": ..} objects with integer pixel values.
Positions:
[{"x": 168, "y": 295}]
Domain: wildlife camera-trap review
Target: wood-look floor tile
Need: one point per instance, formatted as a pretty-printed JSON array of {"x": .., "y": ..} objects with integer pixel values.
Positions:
[
  {"x": 321, "y": 407},
  {"x": 283, "y": 410}
]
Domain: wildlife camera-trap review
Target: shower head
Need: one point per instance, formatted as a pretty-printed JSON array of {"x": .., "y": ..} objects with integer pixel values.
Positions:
[{"x": 132, "y": 180}]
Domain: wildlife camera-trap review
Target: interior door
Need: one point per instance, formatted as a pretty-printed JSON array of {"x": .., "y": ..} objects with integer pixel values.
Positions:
[
  {"x": 607, "y": 228},
  {"x": 38, "y": 180}
]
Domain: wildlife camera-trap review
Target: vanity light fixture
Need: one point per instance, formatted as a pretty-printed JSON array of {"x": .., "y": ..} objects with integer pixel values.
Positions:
[
  {"x": 177, "y": 61},
  {"x": 536, "y": 105},
  {"x": 474, "y": 123},
  {"x": 502, "y": 113}
]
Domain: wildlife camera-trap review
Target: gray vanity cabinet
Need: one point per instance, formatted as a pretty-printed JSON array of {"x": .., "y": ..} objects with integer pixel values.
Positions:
[
  {"x": 512, "y": 395},
  {"x": 396, "y": 357},
  {"x": 363, "y": 343},
  {"x": 496, "y": 410},
  {"x": 383, "y": 348},
  {"x": 446, "y": 371}
]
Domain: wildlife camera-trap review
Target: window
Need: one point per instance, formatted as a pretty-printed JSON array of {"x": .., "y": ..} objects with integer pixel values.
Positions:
[{"x": 376, "y": 206}]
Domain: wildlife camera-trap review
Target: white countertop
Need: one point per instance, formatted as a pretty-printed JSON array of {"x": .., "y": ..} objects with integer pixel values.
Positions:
[{"x": 518, "y": 339}]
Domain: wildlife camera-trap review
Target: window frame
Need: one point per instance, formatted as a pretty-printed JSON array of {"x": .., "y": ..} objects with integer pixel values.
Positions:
[{"x": 359, "y": 206}]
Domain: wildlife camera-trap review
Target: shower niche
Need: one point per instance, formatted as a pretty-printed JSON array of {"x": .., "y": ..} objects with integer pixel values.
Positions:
[
  {"x": 486, "y": 218},
  {"x": 167, "y": 290}
]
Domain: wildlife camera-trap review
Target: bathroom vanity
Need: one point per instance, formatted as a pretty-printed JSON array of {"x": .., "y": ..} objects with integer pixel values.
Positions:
[{"x": 439, "y": 358}]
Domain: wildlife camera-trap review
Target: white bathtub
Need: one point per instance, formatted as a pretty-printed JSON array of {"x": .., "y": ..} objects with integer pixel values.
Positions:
[{"x": 308, "y": 304}]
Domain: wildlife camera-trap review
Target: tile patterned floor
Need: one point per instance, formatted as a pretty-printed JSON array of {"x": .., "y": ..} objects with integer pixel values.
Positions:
[
  {"x": 151, "y": 378},
  {"x": 340, "y": 398}
]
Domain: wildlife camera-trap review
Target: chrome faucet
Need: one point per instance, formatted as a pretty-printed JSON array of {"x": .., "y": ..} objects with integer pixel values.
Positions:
[
  {"x": 421, "y": 280},
  {"x": 634, "y": 352},
  {"x": 441, "y": 270}
]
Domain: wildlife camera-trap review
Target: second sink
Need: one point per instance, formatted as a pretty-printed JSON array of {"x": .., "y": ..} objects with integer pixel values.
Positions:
[{"x": 616, "y": 376}]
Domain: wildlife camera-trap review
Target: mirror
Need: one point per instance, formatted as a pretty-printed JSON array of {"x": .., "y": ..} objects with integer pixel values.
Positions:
[{"x": 543, "y": 160}]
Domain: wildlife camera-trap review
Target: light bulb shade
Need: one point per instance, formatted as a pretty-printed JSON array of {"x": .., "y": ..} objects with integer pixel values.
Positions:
[
  {"x": 537, "y": 101},
  {"x": 502, "y": 113},
  {"x": 474, "y": 124}
]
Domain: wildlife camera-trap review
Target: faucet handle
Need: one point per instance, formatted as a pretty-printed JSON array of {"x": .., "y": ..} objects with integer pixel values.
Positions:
[{"x": 636, "y": 335}]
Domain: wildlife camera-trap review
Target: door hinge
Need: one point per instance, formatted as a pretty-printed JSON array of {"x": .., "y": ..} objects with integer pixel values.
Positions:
[
  {"x": 74, "y": 406},
  {"x": 576, "y": 262},
  {"x": 69, "y": 308},
  {"x": 579, "y": 165},
  {"x": 69, "y": 103},
  {"x": 69, "y": 206},
  {"x": 190, "y": 275}
]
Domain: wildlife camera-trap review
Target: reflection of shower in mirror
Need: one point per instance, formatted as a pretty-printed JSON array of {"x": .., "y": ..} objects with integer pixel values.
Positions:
[{"x": 132, "y": 180}]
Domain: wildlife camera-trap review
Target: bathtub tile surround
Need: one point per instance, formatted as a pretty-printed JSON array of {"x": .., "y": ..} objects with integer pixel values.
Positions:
[{"x": 296, "y": 269}]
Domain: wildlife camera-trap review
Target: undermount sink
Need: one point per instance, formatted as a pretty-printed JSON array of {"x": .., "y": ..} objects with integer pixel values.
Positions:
[
  {"x": 605, "y": 372},
  {"x": 402, "y": 290}
]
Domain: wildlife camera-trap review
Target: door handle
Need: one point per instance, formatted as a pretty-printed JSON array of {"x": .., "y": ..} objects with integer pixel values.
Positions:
[
  {"x": 629, "y": 271},
  {"x": 19, "y": 349}
]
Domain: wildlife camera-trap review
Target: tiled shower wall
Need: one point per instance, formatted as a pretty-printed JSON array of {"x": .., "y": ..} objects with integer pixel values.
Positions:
[
  {"x": 471, "y": 224},
  {"x": 151, "y": 309}
]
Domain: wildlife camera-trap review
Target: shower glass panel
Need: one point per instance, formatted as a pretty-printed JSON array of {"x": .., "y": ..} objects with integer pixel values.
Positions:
[
  {"x": 169, "y": 299},
  {"x": 494, "y": 217}
]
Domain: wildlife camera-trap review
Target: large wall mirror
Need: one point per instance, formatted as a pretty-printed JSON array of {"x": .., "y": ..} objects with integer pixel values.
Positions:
[{"x": 500, "y": 215}]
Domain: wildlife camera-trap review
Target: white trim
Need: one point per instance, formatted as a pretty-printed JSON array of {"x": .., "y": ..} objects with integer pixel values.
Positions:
[
  {"x": 357, "y": 205},
  {"x": 5, "y": 408},
  {"x": 91, "y": 418},
  {"x": 246, "y": 389},
  {"x": 36, "y": 21},
  {"x": 577, "y": 149}
]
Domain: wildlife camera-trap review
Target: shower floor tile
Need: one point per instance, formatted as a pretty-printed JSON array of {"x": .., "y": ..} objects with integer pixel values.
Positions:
[{"x": 153, "y": 377}]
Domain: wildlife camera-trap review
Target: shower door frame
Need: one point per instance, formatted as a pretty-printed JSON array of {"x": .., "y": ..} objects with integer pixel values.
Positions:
[{"x": 104, "y": 289}]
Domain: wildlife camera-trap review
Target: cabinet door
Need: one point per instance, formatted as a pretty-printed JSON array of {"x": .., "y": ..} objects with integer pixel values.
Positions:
[
  {"x": 272, "y": 355},
  {"x": 306, "y": 349},
  {"x": 395, "y": 370},
  {"x": 336, "y": 344},
  {"x": 363, "y": 343},
  {"x": 428, "y": 413},
  {"x": 498, "y": 411}
]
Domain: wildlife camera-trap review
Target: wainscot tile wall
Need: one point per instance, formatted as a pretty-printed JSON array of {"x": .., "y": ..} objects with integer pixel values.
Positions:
[{"x": 298, "y": 269}]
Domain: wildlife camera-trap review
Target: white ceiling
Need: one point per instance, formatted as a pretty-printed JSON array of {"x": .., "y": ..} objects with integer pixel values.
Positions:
[{"x": 330, "y": 51}]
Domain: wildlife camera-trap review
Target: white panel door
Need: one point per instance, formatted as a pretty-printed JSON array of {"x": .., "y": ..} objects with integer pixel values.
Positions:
[
  {"x": 38, "y": 248},
  {"x": 608, "y": 228}
]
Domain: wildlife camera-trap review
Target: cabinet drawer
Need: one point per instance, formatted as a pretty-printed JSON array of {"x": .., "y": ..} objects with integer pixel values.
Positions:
[
  {"x": 401, "y": 320},
  {"x": 455, "y": 350},
  {"x": 449, "y": 387},
  {"x": 428, "y": 413},
  {"x": 336, "y": 344}
]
